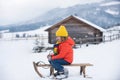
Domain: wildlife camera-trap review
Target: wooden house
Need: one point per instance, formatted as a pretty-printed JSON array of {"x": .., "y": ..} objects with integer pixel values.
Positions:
[{"x": 78, "y": 28}]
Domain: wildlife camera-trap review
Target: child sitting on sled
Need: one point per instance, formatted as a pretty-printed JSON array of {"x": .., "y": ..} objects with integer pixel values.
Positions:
[{"x": 63, "y": 53}]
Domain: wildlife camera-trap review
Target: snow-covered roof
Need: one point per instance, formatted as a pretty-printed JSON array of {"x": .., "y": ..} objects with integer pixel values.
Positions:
[
  {"x": 81, "y": 19},
  {"x": 90, "y": 23}
]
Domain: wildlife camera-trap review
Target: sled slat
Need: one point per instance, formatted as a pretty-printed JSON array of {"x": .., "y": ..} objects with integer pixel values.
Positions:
[{"x": 75, "y": 64}]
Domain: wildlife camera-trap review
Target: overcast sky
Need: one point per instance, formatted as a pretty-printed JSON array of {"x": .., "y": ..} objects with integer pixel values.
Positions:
[{"x": 13, "y": 11}]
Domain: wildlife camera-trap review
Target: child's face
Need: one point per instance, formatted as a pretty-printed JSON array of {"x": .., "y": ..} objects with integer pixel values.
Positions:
[{"x": 58, "y": 39}]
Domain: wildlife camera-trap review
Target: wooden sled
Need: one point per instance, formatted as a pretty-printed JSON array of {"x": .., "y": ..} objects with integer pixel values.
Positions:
[{"x": 81, "y": 65}]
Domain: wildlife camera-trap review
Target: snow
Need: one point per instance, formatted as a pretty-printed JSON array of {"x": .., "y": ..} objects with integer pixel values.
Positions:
[
  {"x": 111, "y": 3},
  {"x": 112, "y": 31},
  {"x": 115, "y": 28},
  {"x": 4, "y": 31},
  {"x": 16, "y": 59},
  {"x": 112, "y": 12}
]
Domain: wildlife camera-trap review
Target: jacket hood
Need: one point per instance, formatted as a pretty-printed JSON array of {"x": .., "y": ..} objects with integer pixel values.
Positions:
[{"x": 70, "y": 41}]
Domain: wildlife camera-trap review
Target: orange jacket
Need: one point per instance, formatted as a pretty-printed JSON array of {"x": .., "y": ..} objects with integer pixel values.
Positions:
[{"x": 65, "y": 51}]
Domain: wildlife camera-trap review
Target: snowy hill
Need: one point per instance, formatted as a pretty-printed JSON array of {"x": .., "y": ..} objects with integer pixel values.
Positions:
[
  {"x": 105, "y": 14},
  {"x": 16, "y": 59}
]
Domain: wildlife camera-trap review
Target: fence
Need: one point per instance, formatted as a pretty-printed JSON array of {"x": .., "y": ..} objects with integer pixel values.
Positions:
[
  {"x": 90, "y": 40},
  {"x": 111, "y": 37},
  {"x": 25, "y": 38},
  {"x": 97, "y": 40}
]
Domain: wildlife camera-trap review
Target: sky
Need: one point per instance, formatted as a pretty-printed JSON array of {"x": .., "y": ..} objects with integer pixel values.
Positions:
[{"x": 14, "y": 11}]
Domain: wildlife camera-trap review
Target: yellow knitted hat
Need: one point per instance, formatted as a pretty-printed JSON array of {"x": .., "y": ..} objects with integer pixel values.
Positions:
[{"x": 62, "y": 31}]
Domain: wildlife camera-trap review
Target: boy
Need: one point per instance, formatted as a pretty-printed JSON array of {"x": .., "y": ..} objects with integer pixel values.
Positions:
[{"x": 64, "y": 52}]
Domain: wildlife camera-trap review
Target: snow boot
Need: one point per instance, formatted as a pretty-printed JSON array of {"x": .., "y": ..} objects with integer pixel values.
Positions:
[
  {"x": 63, "y": 74},
  {"x": 56, "y": 74}
]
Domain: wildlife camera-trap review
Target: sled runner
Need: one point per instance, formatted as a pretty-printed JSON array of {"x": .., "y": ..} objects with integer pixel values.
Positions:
[{"x": 81, "y": 65}]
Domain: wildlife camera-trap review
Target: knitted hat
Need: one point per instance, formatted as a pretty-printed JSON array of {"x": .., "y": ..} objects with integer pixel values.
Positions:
[{"x": 62, "y": 31}]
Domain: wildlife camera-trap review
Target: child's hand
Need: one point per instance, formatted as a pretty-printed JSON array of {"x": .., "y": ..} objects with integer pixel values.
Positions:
[{"x": 49, "y": 57}]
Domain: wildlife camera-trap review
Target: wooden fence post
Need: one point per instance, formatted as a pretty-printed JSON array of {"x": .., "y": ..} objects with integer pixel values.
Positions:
[
  {"x": 80, "y": 41},
  {"x": 103, "y": 39},
  {"x": 118, "y": 36}
]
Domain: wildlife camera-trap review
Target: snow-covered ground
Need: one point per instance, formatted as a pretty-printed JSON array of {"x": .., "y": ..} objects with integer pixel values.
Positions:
[{"x": 16, "y": 59}]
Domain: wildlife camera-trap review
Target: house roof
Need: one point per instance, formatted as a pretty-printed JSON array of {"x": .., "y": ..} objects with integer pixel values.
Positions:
[{"x": 78, "y": 18}]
